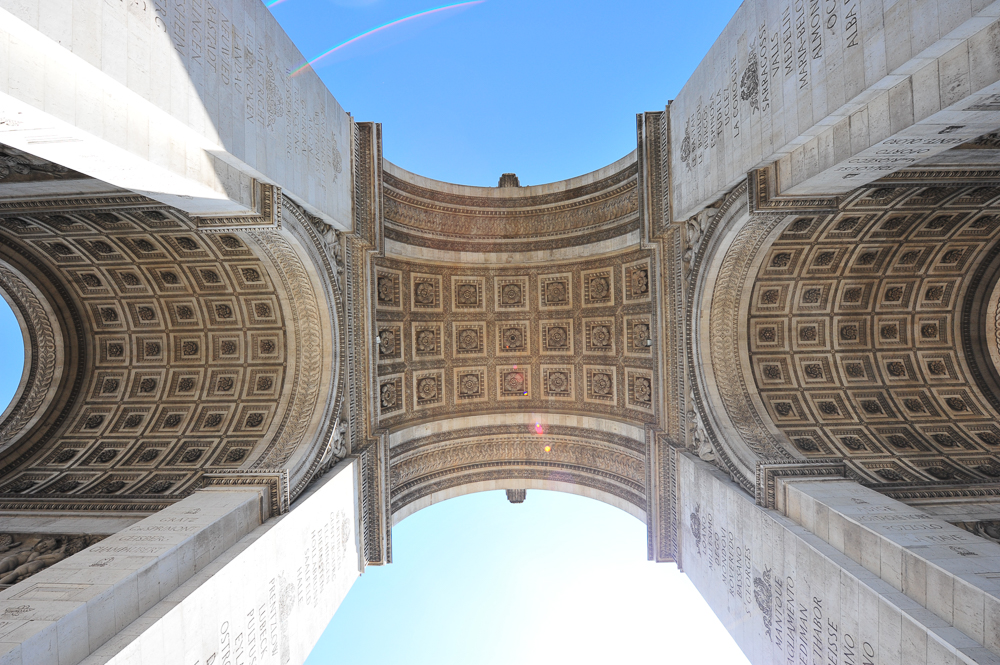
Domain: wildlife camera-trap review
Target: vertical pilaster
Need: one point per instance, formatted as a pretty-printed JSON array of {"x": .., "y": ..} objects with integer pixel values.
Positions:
[
  {"x": 943, "y": 568},
  {"x": 69, "y": 610},
  {"x": 790, "y": 590}
]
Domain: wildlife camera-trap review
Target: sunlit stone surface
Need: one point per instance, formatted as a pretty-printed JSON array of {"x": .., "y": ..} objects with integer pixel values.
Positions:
[{"x": 252, "y": 345}]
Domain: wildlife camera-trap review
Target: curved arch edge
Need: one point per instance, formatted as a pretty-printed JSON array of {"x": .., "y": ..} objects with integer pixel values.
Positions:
[{"x": 515, "y": 484}]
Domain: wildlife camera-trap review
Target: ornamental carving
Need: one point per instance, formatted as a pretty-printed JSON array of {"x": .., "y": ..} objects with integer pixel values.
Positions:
[
  {"x": 42, "y": 357},
  {"x": 22, "y": 554},
  {"x": 854, "y": 328},
  {"x": 474, "y": 221},
  {"x": 608, "y": 463},
  {"x": 524, "y": 335},
  {"x": 190, "y": 370}
]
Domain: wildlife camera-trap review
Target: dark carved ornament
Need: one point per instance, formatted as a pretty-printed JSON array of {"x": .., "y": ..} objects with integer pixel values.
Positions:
[
  {"x": 517, "y": 496},
  {"x": 388, "y": 394},
  {"x": 509, "y": 180},
  {"x": 864, "y": 363},
  {"x": 17, "y": 166},
  {"x": 22, "y": 555}
]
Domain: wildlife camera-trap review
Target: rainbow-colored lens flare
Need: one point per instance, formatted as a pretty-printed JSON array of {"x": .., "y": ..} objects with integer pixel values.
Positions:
[{"x": 379, "y": 29}]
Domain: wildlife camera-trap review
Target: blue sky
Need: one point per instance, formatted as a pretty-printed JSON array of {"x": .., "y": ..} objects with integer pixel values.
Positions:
[
  {"x": 12, "y": 359},
  {"x": 548, "y": 90},
  {"x": 558, "y": 579}
]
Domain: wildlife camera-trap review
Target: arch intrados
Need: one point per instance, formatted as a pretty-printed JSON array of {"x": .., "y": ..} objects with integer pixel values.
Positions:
[
  {"x": 437, "y": 425},
  {"x": 588, "y": 453},
  {"x": 500, "y": 193},
  {"x": 735, "y": 225},
  {"x": 22, "y": 328},
  {"x": 516, "y": 484}
]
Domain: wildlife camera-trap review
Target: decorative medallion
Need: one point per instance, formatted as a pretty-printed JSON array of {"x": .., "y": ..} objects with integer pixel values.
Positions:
[
  {"x": 557, "y": 337},
  {"x": 390, "y": 395},
  {"x": 854, "y": 296},
  {"x": 262, "y": 383},
  {"x": 387, "y": 289},
  {"x": 598, "y": 287},
  {"x": 223, "y": 312},
  {"x": 557, "y": 382},
  {"x": 469, "y": 338},
  {"x": 468, "y": 294},
  {"x": 513, "y": 338},
  {"x": 555, "y": 291},
  {"x": 599, "y": 336},
  {"x": 638, "y": 336},
  {"x": 513, "y": 382},
  {"x": 601, "y": 385},
  {"x": 390, "y": 345},
  {"x": 425, "y": 292},
  {"x": 635, "y": 278},
  {"x": 260, "y": 311},
  {"x": 427, "y": 344},
  {"x": 511, "y": 293},
  {"x": 640, "y": 389},
  {"x": 428, "y": 389},
  {"x": 470, "y": 384}
]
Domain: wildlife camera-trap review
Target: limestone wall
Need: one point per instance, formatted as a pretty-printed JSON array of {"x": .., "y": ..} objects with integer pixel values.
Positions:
[
  {"x": 186, "y": 102},
  {"x": 789, "y": 596},
  {"x": 835, "y": 94}
]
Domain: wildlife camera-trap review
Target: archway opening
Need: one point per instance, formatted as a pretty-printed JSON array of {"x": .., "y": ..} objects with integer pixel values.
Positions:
[
  {"x": 559, "y": 578},
  {"x": 11, "y": 355}
]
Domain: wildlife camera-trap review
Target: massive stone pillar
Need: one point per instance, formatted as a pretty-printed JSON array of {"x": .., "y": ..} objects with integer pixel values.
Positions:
[
  {"x": 832, "y": 95},
  {"x": 193, "y": 105},
  {"x": 205, "y": 580},
  {"x": 840, "y": 574}
]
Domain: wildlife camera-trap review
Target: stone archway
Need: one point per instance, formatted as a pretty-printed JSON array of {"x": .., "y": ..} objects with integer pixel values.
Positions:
[
  {"x": 163, "y": 358},
  {"x": 854, "y": 330},
  {"x": 589, "y": 456},
  {"x": 515, "y": 332}
]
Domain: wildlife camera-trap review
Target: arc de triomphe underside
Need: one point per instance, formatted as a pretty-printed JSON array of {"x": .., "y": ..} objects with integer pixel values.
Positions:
[{"x": 252, "y": 345}]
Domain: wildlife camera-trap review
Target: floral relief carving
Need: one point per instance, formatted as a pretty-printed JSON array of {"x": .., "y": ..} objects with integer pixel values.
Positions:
[
  {"x": 872, "y": 340},
  {"x": 43, "y": 360}
]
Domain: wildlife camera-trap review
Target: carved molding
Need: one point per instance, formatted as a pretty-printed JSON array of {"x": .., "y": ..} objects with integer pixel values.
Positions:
[
  {"x": 727, "y": 342},
  {"x": 611, "y": 463},
  {"x": 266, "y": 204},
  {"x": 329, "y": 255},
  {"x": 42, "y": 358},
  {"x": 57, "y": 204},
  {"x": 769, "y": 471},
  {"x": 420, "y": 216},
  {"x": 762, "y": 186},
  {"x": 309, "y": 349},
  {"x": 274, "y": 480}
]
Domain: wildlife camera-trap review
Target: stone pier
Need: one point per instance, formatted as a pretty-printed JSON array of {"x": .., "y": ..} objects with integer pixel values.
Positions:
[{"x": 253, "y": 345}]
